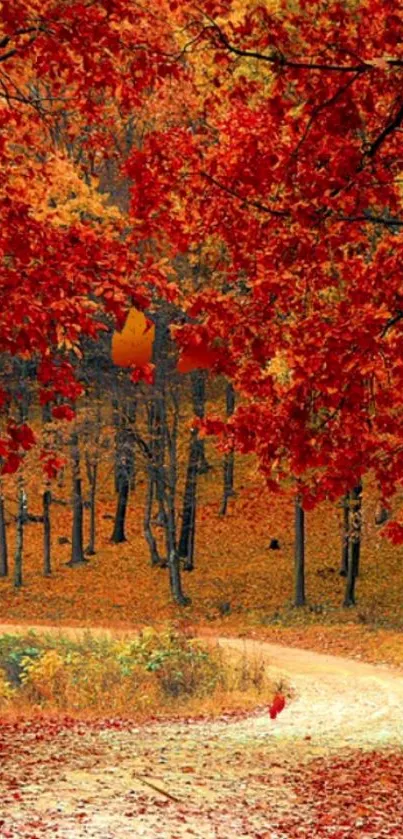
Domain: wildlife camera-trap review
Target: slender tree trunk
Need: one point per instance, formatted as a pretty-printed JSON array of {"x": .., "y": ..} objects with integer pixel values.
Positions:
[
  {"x": 229, "y": 457},
  {"x": 46, "y": 502},
  {"x": 117, "y": 422},
  {"x": 118, "y": 535},
  {"x": 124, "y": 471},
  {"x": 197, "y": 465},
  {"x": 77, "y": 545},
  {"x": 198, "y": 381},
  {"x": 90, "y": 550},
  {"x": 173, "y": 553},
  {"x": 148, "y": 533},
  {"x": 354, "y": 546},
  {"x": 345, "y": 536},
  {"x": 3, "y": 540},
  {"x": 165, "y": 479},
  {"x": 187, "y": 536},
  {"x": 92, "y": 474},
  {"x": 132, "y": 420},
  {"x": 299, "y": 554},
  {"x": 19, "y": 537}
]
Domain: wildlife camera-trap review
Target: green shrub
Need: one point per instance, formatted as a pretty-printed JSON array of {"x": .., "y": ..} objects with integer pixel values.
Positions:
[{"x": 120, "y": 677}]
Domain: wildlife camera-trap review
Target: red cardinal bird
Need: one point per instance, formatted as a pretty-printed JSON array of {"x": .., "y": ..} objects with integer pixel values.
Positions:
[{"x": 277, "y": 706}]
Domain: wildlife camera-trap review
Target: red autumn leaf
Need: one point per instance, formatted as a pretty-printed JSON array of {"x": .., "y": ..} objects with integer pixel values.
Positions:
[
  {"x": 277, "y": 706},
  {"x": 11, "y": 465},
  {"x": 22, "y": 435},
  {"x": 143, "y": 374},
  {"x": 63, "y": 412}
]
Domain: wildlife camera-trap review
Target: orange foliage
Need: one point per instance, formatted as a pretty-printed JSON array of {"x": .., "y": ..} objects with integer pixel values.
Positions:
[{"x": 133, "y": 346}]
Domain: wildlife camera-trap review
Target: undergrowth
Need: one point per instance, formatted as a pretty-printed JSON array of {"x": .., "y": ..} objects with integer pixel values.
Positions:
[{"x": 156, "y": 673}]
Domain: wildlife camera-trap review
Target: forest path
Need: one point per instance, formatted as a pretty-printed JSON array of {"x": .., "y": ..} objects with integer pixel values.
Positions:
[{"x": 231, "y": 777}]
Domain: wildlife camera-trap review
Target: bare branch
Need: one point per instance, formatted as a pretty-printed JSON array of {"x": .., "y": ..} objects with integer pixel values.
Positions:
[{"x": 246, "y": 201}]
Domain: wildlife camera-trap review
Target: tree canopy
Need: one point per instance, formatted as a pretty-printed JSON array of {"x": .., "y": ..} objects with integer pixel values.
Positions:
[{"x": 265, "y": 152}]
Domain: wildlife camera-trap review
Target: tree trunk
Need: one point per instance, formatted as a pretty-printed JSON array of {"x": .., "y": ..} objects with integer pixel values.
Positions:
[
  {"x": 19, "y": 537},
  {"x": 299, "y": 554},
  {"x": 118, "y": 535},
  {"x": 187, "y": 536},
  {"x": 124, "y": 471},
  {"x": 46, "y": 502},
  {"x": 160, "y": 435},
  {"x": 148, "y": 533},
  {"x": 116, "y": 421},
  {"x": 90, "y": 550},
  {"x": 345, "y": 536},
  {"x": 354, "y": 546},
  {"x": 77, "y": 544},
  {"x": 229, "y": 457},
  {"x": 92, "y": 474},
  {"x": 3, "y": 540},
  {"x": 131, "y": 433},
  {"x": 198, "y": 382}
]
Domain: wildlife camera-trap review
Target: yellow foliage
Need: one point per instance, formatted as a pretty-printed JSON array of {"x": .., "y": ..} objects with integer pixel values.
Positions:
[
  {"x": 7, "y": 693},
  {"x": 62, "y": 197}
]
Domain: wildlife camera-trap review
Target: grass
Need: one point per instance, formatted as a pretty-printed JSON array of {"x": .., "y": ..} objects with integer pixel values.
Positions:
[{"x": 163, "y": 674}]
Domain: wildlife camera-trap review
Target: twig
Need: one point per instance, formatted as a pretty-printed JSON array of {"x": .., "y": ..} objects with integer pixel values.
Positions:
[{"x": 157, "y": 789}]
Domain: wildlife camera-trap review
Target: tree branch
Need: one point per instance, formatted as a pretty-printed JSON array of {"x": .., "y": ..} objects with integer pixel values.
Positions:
[
  {"x": 395, "y": 123},
  {"x": 386, "y": 222},
  {"x": 398, "y": 316},
  {"x": 281, "y": 60},
  {"x": 246, "y": 201}
]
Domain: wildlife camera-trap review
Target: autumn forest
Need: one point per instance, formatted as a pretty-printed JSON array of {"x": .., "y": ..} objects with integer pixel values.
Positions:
[{"x": 201, "y": 404}]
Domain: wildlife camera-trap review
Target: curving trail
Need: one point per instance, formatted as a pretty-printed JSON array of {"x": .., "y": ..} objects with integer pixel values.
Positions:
[
  {"x": 231, "y": 778},
  {"x": 339, "y": 702}
]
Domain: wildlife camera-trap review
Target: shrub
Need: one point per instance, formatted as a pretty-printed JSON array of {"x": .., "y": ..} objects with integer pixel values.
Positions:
[
  {"x": 7, "y": 692},
  {"x": 102, "y": 676}
]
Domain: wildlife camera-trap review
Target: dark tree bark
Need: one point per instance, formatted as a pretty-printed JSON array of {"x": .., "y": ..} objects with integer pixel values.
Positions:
[
  {"x": 165, "y": 479},
  {"x": 77, "y": 545},
  {"x": 117, "y": 425},
  {"x": 131, "y": 425},
  {"x": 229, "y": 457},
  {"x": 345, "y": 536},
  {"x": 354, "y": 545},
  {"x": 19, "y": 536},
  {"x": 171, "y": 485},
  {"x": 3, "y": 540},
  {"x": 198, "y": 380},
  {"x": 148, "y": 533},
  {"x": 46, "y": 503},
  {"x": 124, "y": 471},
  {"x": 187, "y": 536},
  {"x": 90, "y": 550},
  {"x": 92, "y": 464},
  {"x": 299, "y": 568},
  {"x": 197, "y": 465},
  {"x": 118, "y": 535}
]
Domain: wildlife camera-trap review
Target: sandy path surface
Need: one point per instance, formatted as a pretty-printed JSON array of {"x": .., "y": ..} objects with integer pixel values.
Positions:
[{"x": 230, "y": 778}]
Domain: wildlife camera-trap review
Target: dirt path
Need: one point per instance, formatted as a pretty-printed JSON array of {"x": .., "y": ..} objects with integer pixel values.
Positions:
[{"x": 231, "y": 779}]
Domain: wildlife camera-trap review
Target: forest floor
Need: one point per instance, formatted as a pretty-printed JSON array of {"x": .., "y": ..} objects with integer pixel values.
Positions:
[{"x": 330, "y": 765}]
